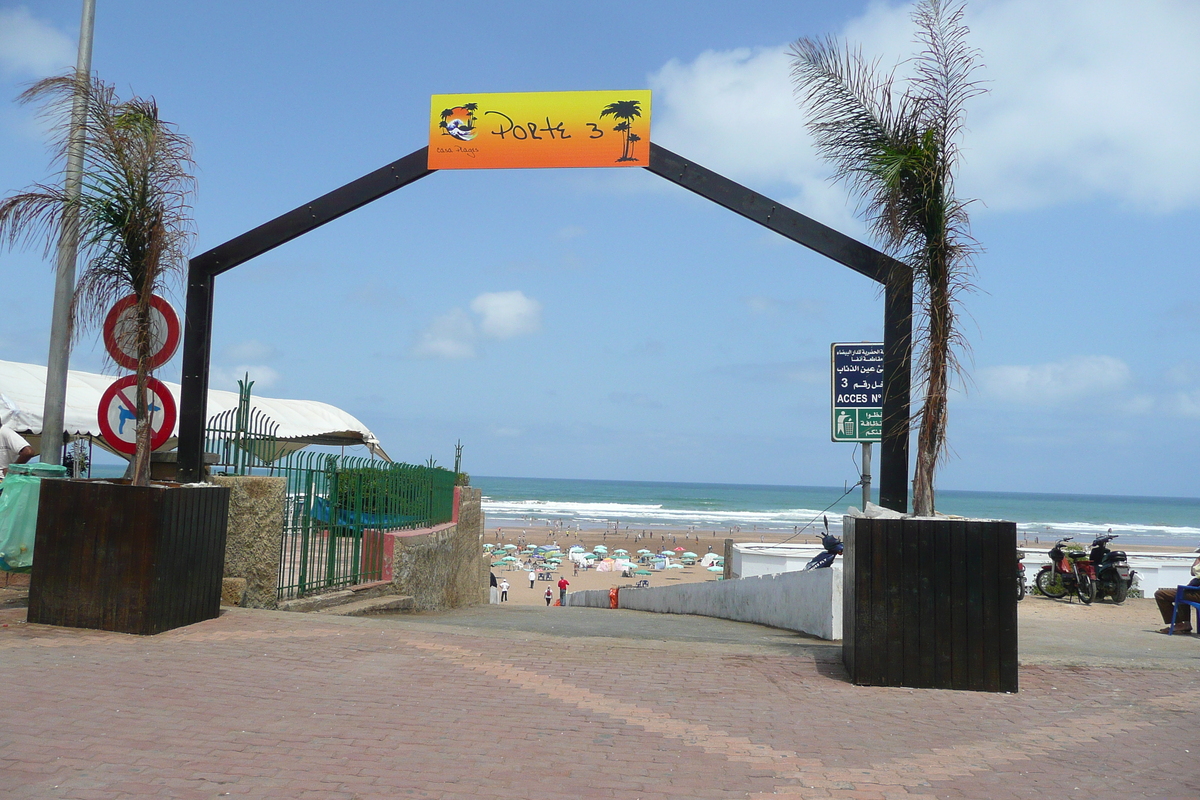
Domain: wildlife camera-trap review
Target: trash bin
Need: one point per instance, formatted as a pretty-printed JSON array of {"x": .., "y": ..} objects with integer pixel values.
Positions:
[{"x": 19, "y": 511}]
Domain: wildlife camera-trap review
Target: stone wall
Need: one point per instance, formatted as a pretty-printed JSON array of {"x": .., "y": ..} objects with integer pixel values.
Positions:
[
  {"x": 809, "y": 602},
  {"x": 254, "y": 539},
  {"x": 443, "y": 566}
]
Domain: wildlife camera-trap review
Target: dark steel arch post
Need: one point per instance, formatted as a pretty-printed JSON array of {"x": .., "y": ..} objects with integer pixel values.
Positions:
[
  {"x": 193, "y": 404},
  {"x": 203, "y": 269},
  {"x": 897, "y": 372}
]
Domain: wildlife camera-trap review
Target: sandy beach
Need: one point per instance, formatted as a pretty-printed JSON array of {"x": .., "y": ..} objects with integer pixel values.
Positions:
[{"x": 539, "y": 533}]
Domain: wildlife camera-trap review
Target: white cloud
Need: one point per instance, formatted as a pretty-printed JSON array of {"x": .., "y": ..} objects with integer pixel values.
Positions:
[
  {"x": 227, "y": 378},
  {"x": 504, "y": 315},
  {"x": 1087, "y": 100},
  {"x": 761, "y": 305},
  {"x": 1186, "y": 404},
  {"x": 733, "y": 112},
  {"x": 1081, "y": 378},
  {"x": 31, "y": 48},
  {"x": 249, "y": 350},
  {"x": 451, "y": 335}
]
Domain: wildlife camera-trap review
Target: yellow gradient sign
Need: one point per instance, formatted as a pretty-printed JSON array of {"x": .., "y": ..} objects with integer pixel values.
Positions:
[{"x": 539, "y": 129}]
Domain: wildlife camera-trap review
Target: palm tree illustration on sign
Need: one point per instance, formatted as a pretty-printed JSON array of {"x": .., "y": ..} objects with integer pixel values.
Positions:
[
  {"x": 625, "y": 111},
  {"x": 459, "y": 121}
]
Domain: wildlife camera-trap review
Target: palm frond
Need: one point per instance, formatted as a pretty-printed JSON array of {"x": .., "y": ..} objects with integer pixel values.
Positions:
[
  {"x": 133, "y": 216},
  {"x": 897, "y": 152}
]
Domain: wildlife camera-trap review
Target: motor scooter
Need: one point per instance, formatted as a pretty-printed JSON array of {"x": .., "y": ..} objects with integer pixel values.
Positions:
[
  {"x": 833, "y": 547},
  {"x": 1068, "y": 571},
  {"x": 1113, "y": 575}
]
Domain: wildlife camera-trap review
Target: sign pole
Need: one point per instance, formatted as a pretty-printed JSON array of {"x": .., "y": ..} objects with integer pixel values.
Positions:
[
  {"x": 866, "y": 474},
  {"x": 57, "y": 362}
]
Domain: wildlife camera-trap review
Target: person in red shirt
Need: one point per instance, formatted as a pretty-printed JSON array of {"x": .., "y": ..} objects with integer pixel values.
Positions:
[{"x": 563, "y": 583}]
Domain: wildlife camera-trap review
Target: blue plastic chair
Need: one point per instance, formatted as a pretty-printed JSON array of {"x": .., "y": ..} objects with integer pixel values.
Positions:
[{"x": 1180, "y": 601}]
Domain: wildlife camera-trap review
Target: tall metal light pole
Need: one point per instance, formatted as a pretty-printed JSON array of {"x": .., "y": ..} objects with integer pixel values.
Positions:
[{"x": 68, "y": 245}]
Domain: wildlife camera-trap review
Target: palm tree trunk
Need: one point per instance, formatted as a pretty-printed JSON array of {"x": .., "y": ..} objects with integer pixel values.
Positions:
[
  {"x": 141, "y": 456},
  {"x": 931, "y": 438}
]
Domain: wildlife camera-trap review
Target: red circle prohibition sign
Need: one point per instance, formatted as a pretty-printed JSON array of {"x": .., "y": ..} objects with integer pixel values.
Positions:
[
  {"x": 117, "y": 414},
  {"x": 164, "y": 331}
]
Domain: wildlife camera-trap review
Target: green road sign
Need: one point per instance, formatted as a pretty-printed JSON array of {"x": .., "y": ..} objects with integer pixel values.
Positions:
[{"x": 857, "y": 392}]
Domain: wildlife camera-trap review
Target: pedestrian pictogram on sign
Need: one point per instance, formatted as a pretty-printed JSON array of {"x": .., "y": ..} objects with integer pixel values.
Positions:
[
  {"x": 119, "y": 332},
  {"x": 117, "y": 414},
  {"x": 857, "y": 392}
]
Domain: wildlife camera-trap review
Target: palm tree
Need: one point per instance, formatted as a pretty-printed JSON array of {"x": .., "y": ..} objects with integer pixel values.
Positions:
[
  {"x": 134, "y": 220},
  {"x": 898, "y": 151},
  {"x": 625, "y": 111},
  {"x": 633, "y": 140}
]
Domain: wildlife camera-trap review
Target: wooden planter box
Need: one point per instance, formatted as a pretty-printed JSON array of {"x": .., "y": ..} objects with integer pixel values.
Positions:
[
  {"x": 132, "y": 559},
  {"x": 930, "y": 603}
]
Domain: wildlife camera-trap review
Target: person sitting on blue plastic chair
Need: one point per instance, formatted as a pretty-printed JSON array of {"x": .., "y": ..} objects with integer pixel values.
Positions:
[{"x": 1165, "y": 598}]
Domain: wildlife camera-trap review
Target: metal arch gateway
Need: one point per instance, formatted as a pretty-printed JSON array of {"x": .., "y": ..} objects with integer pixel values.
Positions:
[{"x": 895, "y": 276}]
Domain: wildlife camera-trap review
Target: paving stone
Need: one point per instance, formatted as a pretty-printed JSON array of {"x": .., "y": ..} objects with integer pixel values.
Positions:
[{"x": 269, "y": 704}]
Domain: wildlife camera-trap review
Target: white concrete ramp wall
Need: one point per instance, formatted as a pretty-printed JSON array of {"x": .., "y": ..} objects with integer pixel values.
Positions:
[{"x": 808, "y": 602}]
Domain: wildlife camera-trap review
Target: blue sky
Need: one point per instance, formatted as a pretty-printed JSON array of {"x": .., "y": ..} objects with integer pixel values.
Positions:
[{"x": 607, "y": 324}]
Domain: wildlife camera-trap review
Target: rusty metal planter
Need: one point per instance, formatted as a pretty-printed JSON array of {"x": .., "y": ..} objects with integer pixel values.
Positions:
[
  {"x": 132, "y": 559},
  {"x": 930, "y": 603}
]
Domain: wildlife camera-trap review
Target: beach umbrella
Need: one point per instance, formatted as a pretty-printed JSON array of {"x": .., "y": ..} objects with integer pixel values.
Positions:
[
  {"x": 591, "y": 556},
  {"x": 674, "y": 566},
  {"x": 576, "y": 548},
  {"x": 678, "y": 549},
  {"x": 509, "y": 559},
  {"x": 488, "y": 546},
  {"x": 599, "y": 549},
  {"x": 716, "y": 569},
  {"x": 666, "y": 553},
  {"x": 644, "y": 552},
  {"x": 621, "y": 550},
  {"x": 642, "y": 572},
  {"x": 689, "y": 554},
  {"x": 510, "y": 547}
]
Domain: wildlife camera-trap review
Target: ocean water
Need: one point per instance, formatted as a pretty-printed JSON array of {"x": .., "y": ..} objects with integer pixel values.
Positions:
[{"x": 788, "y": 509}]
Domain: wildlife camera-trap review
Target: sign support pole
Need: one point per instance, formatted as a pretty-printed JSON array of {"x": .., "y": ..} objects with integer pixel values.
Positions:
[
  {"x": 58, "y": 361},
  {"x": 866, "y": 474}
]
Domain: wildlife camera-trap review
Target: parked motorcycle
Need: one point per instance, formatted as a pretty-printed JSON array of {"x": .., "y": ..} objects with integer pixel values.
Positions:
[
  {"x": 1020, "y": 576},
  {"x": 1113, "y": 575},
  {"x": 833, "y": 547},
  {"x": 1068, "y": 571}
]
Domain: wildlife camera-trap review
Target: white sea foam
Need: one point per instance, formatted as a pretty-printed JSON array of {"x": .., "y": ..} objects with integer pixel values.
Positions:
[
  {"x": 643, "y": 514},
  {"x": 655, "y": 515},
  {"x": 1083, "y": 530}
]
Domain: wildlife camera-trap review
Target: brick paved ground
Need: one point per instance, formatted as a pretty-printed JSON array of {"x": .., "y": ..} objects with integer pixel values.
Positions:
[{"x": 274, "y": 705}]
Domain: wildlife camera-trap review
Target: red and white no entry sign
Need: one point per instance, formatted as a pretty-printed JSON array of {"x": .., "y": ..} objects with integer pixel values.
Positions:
[
  {"x": 119, "y": 332},
  {"x": 118, "y": 414}
]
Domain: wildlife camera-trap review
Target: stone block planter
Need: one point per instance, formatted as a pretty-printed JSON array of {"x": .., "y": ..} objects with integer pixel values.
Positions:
[
  {"x": 132, "y": 559},
  {"x": 930, "y": 603}
]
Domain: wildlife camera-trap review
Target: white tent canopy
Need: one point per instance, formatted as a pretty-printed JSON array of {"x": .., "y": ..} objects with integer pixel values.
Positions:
[{"x": 301, "y": 422}]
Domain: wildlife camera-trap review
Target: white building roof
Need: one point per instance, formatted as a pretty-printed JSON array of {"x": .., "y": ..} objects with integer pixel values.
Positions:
[{"x": 301, "y": 422}]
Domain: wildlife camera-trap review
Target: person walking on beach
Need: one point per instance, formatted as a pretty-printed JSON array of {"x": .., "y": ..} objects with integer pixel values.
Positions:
[
  {"x": 1165, "y": 598},
  {"x": 532, "y": 578},
  {"x": 563, "y": 583},
  {"x": 549, "y": 595},
  {"x": 504, "y": 590}
]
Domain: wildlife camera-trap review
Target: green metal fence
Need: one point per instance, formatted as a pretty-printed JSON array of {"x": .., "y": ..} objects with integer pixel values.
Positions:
[{"x": 337, "y": 509}]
